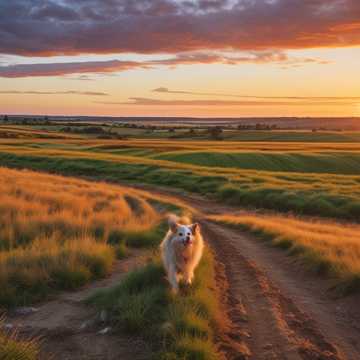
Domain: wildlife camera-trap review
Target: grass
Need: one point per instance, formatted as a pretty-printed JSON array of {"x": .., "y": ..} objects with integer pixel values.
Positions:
[
  {"x": 12, "y": 348},
  {"x": 336, "y": 196},
  {"x": 323, "y": 162},
  {"x": 329, "y": 248},
  {"x": 58, "y": 233},
  {"x": 177, "y": 326}
]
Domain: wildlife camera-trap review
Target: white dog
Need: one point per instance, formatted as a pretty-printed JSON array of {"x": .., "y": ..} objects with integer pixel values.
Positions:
[{"x": 182, "y": 250}]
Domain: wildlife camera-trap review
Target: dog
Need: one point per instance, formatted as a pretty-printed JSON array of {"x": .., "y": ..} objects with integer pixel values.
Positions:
[{"x": 181, "y": 250}]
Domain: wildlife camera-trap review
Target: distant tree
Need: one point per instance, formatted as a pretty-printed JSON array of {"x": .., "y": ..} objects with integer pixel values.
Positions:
[
  {"x": 171, "y": 130},
  {"x": 6, "y": 118},
  {"x": 215, "y": 132}
]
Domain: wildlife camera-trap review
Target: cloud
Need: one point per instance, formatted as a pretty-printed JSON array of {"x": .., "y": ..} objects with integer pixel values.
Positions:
[
  {"x": 113, "y": 66},
  {"x": 136, "y": 101},
  {"x": 69, "y": 92},
  {"x": 66, "y": 27},
  {"x": 59, "y": 69},
  {"x": 164, "y": 90}
]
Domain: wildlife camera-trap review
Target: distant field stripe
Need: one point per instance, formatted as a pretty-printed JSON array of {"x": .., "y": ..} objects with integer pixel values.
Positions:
[{"x": 327, "y": 162}]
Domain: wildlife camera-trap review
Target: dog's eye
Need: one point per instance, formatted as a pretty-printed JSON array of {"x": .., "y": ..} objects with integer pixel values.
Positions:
[{"x": 180, "y": 234}]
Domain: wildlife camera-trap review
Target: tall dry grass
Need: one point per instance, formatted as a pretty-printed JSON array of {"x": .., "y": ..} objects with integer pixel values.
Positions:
[
  {"x": 55, "y": 231},
  {"x": 329, "y": 247},
  {"x": 13, "y": 348}
]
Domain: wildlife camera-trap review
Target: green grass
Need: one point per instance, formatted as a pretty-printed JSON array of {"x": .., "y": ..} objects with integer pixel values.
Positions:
[
  {"x": 293, "y": 136},
  {"x": 336, "y": 196},
  {"x": 177, "y": 326},
  {"x": 335, "y": 163}
]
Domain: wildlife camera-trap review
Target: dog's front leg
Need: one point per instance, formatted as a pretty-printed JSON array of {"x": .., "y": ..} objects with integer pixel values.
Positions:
[
  {"x": 188, "y": 276},
  {"x": 173, "y": 279}
]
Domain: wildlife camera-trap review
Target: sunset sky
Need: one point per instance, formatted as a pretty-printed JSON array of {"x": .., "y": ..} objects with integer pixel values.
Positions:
[{"x": 226, "y": 58}]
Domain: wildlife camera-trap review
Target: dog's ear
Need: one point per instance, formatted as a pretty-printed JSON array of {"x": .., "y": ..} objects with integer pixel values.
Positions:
[
  {"x": 195, "y": 228},
  {"x": 173, "y": 225}
]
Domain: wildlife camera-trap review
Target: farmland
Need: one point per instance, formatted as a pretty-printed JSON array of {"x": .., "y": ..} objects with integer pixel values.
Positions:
[
  {"x": 283, "y": 176},
  {"x": 74, "y": 208}
]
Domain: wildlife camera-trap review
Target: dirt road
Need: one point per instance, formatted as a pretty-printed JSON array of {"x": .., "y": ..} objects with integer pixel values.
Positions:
[
  {"x": 277, "y": 308},
  {"x": 282, "y": 310}
]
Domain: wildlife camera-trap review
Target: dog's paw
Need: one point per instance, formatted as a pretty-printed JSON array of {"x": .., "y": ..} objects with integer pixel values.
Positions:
[{"x": 175, "y": 290}]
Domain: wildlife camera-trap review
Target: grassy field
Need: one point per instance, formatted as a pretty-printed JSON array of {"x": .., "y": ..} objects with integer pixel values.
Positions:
[
  {"x": 227, "y": 135},
  {"x": 258, "y": 180},
  {"x": 59, "y": 233},
  {"x": 303, "y": 162},
  {"x": 329, "y": 248}
]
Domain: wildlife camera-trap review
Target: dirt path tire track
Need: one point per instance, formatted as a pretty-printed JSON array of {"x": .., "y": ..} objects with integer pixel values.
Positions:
[{"x": 277, "y": 328}]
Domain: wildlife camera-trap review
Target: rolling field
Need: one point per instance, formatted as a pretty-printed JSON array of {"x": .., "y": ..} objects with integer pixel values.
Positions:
[
  {"x": 333, "y": 163},
  {"x": 280, "y": 176},
  {"x": 63, "y": 227}
]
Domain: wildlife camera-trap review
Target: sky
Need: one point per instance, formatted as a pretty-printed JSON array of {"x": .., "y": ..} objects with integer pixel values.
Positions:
[{"x": 201, "y": 58}]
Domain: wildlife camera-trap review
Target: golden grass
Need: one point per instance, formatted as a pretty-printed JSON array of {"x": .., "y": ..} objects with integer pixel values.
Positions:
[
  {"x": 330, "y": 247},
  {"x": 55, "y": 231},
  {"x": 316, "y": 194},
  {"x": 12, "y": 348},
  {"x": 33, "y": 205}
]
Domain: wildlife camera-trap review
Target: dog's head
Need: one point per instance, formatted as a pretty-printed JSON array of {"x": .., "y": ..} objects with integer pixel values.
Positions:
[{"x": 183, "y": 234}]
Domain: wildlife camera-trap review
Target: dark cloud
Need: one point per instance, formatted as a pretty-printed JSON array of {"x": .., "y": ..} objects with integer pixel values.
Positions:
[
  {"x": 69, "y": 92},
  {"x": 113, "y": 66},
  {"x": 54, "y": 27}
]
